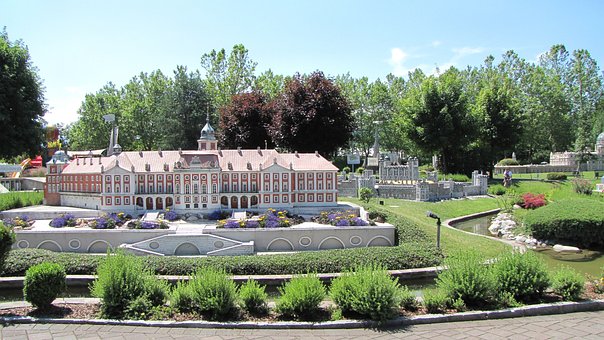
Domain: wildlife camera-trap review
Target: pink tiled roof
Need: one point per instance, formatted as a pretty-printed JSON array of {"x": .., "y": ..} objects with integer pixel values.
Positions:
[{"x": 238, "y": 159}]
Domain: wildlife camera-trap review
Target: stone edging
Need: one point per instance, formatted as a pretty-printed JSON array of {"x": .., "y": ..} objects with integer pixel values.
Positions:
[
  {"x": 450, "y": 221},
  {"x": 534, "y": 310}
]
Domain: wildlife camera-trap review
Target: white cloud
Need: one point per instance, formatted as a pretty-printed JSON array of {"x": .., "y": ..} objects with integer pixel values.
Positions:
[
  {"x": 436, "y": 43},
  {"x": 399, "y": 59}
]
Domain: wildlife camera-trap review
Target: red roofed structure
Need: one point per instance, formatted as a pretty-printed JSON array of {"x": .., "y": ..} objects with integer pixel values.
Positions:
[{"x": 193, "y": 181}]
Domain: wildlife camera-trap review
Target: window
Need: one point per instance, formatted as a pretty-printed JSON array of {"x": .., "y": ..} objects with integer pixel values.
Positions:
[
  {"x": 310, "y": 186},
  {"x": 311, "y": 198},
  {"x": 117, "y": 188},
  {"x": 118, "y": 201},
  {"x": 214, "y": 188},
  {"x": 244, "y": 177},
  {"x": 253, "y": 176},
  {"x": 196, "y": 205},
  {"x": 234, "y": 187},
  {"x": 108, "y": 186},
  {"x": 187, "y": 189},
  {"x": 329, "y": 185},
  {"x": 178, "y": 188},
  {"x": 276, "y": 187},
  {"x": 127, "y": 200},
  {"x": 301, "y": 198},
  {"x": 284, "y": 199},
  {"x": 204, "y": 189},
  {"x": 254, "y": 188},
  {"x": 108, "y": 200},
  {"x": 320, "y": 186},
  {"x": 267, "y": 187},
  {"x": 284, "y": 176},
  {"x": 150, "y": 188},
  {"x": 107, "y": 178},
  {"x": 188, "y": 206},
  {"x": 116, "y": 178},
  {"x": 195, "y": 188},
  {"x": 160, "y": 188},
  {"x": 244, "y": 187},
  {"x": 169, "y": 188},
  {"x": 275, "y": 199},
  {"x": 267, "y": 199},
  {"x": 225, "y": 187},
  {"x": 320, "y": 175},
  {"x": 284, "y": 187},
  {"x": 275, "y": 176},
  {"x": 301, "y": 185}
]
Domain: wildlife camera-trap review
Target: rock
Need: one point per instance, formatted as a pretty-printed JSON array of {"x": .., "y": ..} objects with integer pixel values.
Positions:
[
  {"x": 192, "y": 218},
  {"x": 520, "y": 238},
  {"x": 566, "y": 249}
]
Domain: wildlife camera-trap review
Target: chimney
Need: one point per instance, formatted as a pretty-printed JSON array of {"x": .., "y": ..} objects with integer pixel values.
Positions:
[
  {"x": 239, "y": 151},
  {"x": 317, "y": 153},
  {"x": 140, "y": 153},
  {"x": 159, "y": 152}
]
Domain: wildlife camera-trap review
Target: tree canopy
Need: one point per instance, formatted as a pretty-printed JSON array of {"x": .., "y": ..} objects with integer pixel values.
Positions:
[{"x": 21, "y": 101}]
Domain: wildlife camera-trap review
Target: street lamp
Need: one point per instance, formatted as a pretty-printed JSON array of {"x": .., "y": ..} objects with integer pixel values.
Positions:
[{"x": 433, "y": 215}]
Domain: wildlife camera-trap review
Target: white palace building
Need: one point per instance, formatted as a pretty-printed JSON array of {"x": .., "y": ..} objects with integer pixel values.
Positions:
[{"x": 195, "y": 181}]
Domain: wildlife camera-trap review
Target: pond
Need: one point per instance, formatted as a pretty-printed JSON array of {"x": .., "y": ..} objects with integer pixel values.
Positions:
[{"x": 588, "y": 262}]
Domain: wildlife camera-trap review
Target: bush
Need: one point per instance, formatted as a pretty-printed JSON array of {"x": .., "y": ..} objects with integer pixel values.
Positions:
[
  {"x": 407, "y": 299},
  {"x": 181, "y": 297},
  {"x": 301, "y": 296},
  {"x": 43, "y": 284},
  {"x": 523, "y": 275},
  {"x": 467, "y": 278},
  {"x": 568, "y": 284},
  {"x": 497, "y": 190},
  {"x": 7, "y": 238},
  {"x": 213, "y": 293},
  {"x": 360, "y": 170},
  {"x": 556, "y": 176},
  {"x": 577, "y": 221},
  {"x": 171, "y": 215},
  {"x": 12, "y": 200},
  {"x": 346, "y": 169},
  {"x": 532, "y": 201},
  {"x": 365, "y": 194},
  {"x": 508, "y": 162},
  {"x": 369, "y": 291},
  {"x": 454, "y": 177},
  {"x": 253, "y": 297},
  {"x": 122, "y": 279},
  {"x": 582, "y": 186},
  {"x": 435, "y": 300}
]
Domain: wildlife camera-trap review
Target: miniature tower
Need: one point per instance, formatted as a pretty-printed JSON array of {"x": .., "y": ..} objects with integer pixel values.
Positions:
[
  {"x": 53, "y": 177},
  {"x": 207, "y": 140}
]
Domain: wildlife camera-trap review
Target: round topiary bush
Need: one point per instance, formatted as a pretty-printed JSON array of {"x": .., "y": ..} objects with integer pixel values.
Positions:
[
  {"x": 508, "y": 162},
  {"x": 43, "y": 284},
  {"x": 578, "y": 221}
]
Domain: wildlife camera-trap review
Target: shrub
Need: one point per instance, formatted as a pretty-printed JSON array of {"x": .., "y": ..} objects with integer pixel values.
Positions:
[
  {"x": 253, "y": 297},
  {"x": 568, "y": 284},
  {"x": 360, "y": 170},
  {"x": 218, "y": 215},
  {"x": 365, "y": 194},
  {"x": 368, "y": 290},
  {"x": 181, "y": 297},
  {"x": 435, "y": 300},
  {"x": 411, "y": 253},
  {"x": 497, "y": 190},
  {"x": 121, "y": 279},
  {"x": 523, "y": 275},
  {"x": 7, "y": 238},
  {"x": 213, "y": 292},
  {"x": 532, "y": 201},
  {"x": 378, "y": 216},
  {"x": 346, "y": 169},
  {"x": 43, "y": 284},
  {"x": 556, "y": 176},
  {"x": 467, "y": 278},
  {"x": 577, "y": 221},
  {"x": 454, "y": 177},
  {"x": 301, "y": 296},
  {"x": 12, "y": 200},
  {"x": 582, "y": 186},
  {"x": 407, "y": 299},
  {"x": 508, "y": 162}
]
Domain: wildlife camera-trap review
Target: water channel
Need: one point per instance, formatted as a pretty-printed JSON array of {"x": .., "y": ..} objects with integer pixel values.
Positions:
[{"x": 588, "y": 262}]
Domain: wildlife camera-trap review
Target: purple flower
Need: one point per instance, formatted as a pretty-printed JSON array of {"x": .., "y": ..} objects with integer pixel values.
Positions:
[
  {"x": 8, "y": 222},
  {"x": 342, "y": 223},
  {"x": 69, "y": 217},
  {"x": 358, "y": 222},
  {"x": 58, "y": 222},
  {"x": 24, "y": 217},
  {"x": 232, "y": 224},
  {"x": 252, "y": 224},
  {"x": 149, "y": 225},
  {"x": 101, "y": 223},
  {"x": 331, "y": 217},
  {"x": 171, "y": 215},
  {"x": 272, "y": 223}
]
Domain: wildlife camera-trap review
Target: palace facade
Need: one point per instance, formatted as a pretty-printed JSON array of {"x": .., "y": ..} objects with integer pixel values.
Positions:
[{"x": 201, "y": 180}]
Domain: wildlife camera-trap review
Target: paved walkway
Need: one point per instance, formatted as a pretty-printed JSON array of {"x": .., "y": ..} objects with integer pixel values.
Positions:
[{"x": 585, "y": 325}]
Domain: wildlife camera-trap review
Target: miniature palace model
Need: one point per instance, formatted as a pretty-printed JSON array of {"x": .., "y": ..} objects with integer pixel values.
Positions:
[{"x": 193, "y": 181}]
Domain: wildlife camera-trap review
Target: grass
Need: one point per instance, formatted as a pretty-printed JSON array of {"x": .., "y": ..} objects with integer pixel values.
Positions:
[
  {"x": 19, "y": 199},
  {"x": 452, "y": 241},
  {"x": 554, "y": 191}
]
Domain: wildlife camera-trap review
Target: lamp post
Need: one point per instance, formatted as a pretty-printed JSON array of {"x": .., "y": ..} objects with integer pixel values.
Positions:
[{"x": 433, "y": 215}]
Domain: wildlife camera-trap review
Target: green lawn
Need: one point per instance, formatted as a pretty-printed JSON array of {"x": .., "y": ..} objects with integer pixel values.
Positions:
[
  {"x": 554, "y": 191},
  {"x": 452, "y": 241}
]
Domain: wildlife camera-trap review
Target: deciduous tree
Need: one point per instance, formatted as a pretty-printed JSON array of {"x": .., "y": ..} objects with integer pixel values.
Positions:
[{"x": 245, "y": 121}]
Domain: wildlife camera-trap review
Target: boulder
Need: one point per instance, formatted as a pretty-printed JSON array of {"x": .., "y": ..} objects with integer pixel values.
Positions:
[
  {"x": 566, "y": 249},
  {"x": 520, "y": 238}
]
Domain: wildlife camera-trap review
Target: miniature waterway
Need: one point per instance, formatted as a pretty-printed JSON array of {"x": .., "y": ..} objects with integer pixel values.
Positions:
[{"x": 587, "y": 262}]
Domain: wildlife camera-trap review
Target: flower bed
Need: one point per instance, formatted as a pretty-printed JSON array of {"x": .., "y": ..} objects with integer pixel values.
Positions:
[
  {"x": 19, "y": 222},
  {"x": 340, "y": 219},
  {"x": 272, "y": 218},
  {"x": 113, "y": 221}
]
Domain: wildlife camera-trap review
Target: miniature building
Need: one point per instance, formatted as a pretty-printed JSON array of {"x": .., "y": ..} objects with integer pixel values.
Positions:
[{"x": 200, "y": 180}]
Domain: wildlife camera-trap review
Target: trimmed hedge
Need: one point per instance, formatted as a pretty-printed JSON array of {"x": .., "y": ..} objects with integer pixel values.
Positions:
[
  {"x": 579, "y": 221},
  {"x": 415, "y": 250},
  {"x": 507, "y": 162},
  {"x": 412, "y": 255},
  {"x": 556, "y": 176}
]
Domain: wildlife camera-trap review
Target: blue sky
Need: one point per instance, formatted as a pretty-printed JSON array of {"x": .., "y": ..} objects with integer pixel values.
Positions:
[{"x": 79, "y": 46}]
